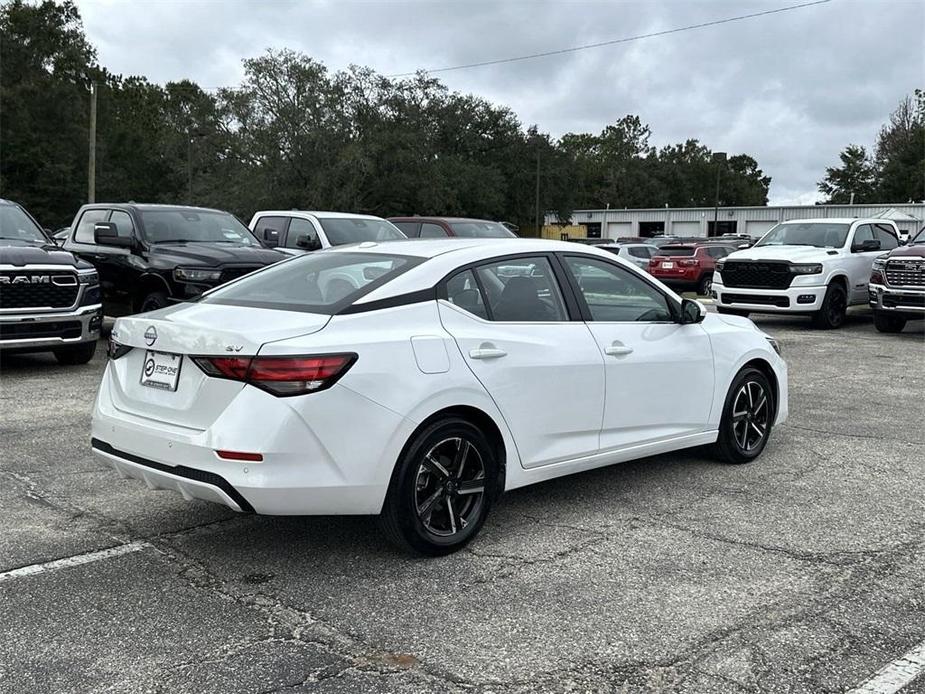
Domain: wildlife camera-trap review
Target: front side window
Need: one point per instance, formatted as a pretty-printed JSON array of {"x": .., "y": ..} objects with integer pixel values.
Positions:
[
  {"x": 614, "y": 294},
  {"x": 313, "y": 283},
  {"x": 298, "y": 228},
  {"x": 820, "y": 235},
  {"x": 123, "y": 222},
  {"x": 885, "y": 235},
  {"x": 270, "y": 228},
  {"x": 522, "y": 290},
  {"x": 863, "y": 233},
  {"x": 195, "y": 226},
  {"x": 16, "y": 225},
  {"x": 84, "y": 233},
  {"x": 344, "y": 230}
]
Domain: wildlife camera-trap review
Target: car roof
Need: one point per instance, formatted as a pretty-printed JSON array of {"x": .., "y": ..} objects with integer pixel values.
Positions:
[
  {"x": 434, "y": 218},
  {"x": 321, "y": 214},
  {"x": 837, "y": 220},
  {"x": 143, "y": 206}
]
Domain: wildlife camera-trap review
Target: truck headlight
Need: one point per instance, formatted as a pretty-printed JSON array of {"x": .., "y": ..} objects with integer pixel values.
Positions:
[
  {"x": 880, "y": 264},
  {"x": 806, "y": 269},
  {"x": 192, "y": 274},
  {"x": 89, "y": 277},
  {"x": 720, "y": 264}
]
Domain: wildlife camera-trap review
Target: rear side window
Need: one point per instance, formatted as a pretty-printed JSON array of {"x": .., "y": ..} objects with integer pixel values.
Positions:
[
  {"x": 463, "y": 291},
  {"x": 676, "y": 250},
  {"x": 640, "y": 252},
  {"x": 314, "y": 283},
  {"x": 84, "y": 233},
  {"x": 522, "y": 290}
]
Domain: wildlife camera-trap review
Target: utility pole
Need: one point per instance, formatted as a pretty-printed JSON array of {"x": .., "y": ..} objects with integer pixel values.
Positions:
[
  {"x": 718, "y": 159},
  {"x": 91, "y": 172},
  {"x": 189, "y": 167},
  {"x": 539, "y": 231}
]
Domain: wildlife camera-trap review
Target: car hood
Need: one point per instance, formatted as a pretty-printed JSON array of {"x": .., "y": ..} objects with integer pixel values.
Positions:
[
  {"x": 917, "y": 251},
  {"x": 213, "y": 254},
  {"x": 22, "y": 253},
  {"x": 794, "y": 254}
]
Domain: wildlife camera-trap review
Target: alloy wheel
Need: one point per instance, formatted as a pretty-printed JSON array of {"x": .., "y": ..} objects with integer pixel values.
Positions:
[
  {"x": 751, "y": 414},
  {"x": 449, "y": 487},
  {"x": 838, "y": 304}
]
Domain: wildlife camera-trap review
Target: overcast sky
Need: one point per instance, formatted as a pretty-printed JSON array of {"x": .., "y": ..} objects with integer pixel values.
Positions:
[{"x": 791, "y": 89}]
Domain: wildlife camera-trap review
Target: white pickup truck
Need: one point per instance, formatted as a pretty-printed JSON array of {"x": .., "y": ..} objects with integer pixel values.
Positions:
[
  {"x": 814, "y": 267},
  {"x": 299, "y": 231}
]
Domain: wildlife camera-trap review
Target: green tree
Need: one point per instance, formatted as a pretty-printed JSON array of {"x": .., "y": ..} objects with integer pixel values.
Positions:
[
  {"x": 900, "y": 152},
  {"x": 853, "y": 181}
]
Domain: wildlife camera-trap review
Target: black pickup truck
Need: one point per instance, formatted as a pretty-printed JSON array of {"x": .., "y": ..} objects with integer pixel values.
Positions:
[
  {"x": 49, "y": 299},
  {"x": 150, "y": 255}
]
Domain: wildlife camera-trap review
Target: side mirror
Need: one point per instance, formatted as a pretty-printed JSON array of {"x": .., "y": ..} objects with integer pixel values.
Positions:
[
  {"x": 271, "y": 238},
  {"x": 308, "y": 243},
  {"x": 692, "y": 311},
  {"x": 107, "y": 234},
  {"x": 866, "y": 246}
]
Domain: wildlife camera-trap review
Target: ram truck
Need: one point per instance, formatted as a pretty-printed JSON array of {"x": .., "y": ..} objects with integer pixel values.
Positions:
[
  {"x": 897, "y": 286},
  {"x": 812, "y": 267}
]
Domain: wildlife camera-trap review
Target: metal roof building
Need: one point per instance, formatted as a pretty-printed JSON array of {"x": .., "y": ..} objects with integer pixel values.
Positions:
[{"x": 754, "y": 221}]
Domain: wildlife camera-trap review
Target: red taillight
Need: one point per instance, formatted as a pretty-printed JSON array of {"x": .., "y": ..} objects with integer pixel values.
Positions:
[
  {"x": 689, "y": 262},
  {"x": 281, "y": 376},
  {"x": 240, "y": 455}
]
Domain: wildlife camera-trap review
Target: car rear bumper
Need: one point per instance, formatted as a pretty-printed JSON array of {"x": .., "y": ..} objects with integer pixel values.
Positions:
[
  {"x": 906, "y": 302},
  {"x": 46, "y": 331},
  {"x": 795, "y": 299}
]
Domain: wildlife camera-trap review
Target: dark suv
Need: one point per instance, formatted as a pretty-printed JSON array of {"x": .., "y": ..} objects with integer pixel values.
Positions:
[
  {"x": 148, "y": 255},
  {"x": 443, "y": 227}
]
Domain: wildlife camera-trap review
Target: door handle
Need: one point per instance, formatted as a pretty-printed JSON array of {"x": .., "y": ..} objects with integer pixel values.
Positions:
[
  {"x": 487, "y": 353},
  {"x": 618, "y": 350}
]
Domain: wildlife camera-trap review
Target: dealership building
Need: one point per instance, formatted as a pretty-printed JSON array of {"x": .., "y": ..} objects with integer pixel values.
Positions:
[{"x": 699, "y": 221}]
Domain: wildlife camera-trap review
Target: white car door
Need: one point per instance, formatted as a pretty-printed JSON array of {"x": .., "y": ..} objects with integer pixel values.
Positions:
[
  {"x": 540, "y": 366},
  {"x": 659, "y": 373},
  {"x": 860, "y": 262}
]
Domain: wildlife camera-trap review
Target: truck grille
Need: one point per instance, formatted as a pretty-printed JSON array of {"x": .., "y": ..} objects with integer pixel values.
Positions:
[
  {"x": 753, "y": 274},
  {"x": 37, "y": 289},
  {"x": 906, "y": 273},
  {"x": 24, "y": 331},
  {"x": 781, "y": 301},
  {"x": 232, "y": 273}
]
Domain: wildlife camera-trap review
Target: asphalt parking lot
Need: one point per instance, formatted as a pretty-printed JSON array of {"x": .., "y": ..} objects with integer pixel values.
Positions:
[{"x": 803, "y": 572}]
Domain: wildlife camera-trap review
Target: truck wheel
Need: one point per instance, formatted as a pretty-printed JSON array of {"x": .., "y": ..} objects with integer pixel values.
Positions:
[
  {"x": 888, "y": 323},
  {"x": 834, "y": 308},
  {"x": 705, "y": 285},
  {"x": 75, "y": 354},
  {"x": 731, "y": 311},
  {"x": 152, "y": 302}
]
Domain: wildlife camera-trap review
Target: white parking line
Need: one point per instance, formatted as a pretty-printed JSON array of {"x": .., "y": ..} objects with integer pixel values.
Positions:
[
  {"x": 76, "y": 560},
  {"x": 896, "y": 675}
]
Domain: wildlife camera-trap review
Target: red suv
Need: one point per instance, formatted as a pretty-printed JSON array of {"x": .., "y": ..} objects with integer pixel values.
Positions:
[{"x": 688, "y": 266}]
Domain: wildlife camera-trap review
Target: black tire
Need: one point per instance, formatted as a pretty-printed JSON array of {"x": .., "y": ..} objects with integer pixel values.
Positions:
[
  {"x": 152, "y": 302},
  {"x": 75, "y": 354},
  {"x": 744, "y": 415},
  {"x": 705, "y": 285},
  {"x": 731, "y": 311},
  {"x": 834, "y": 308},
  {"x": 888, "y": 323},
  {"x": 428, "y": 511}
]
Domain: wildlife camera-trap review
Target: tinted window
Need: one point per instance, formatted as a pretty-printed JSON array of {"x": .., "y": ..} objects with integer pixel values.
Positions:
[
  {"x": 861, "y": 234},
  {"x": 300, "y": 227},
  {"x": 195, "y": 226},
  {"x": 268, "y": 228},
  {"x": 719, "y": 251},
  {"x": 409, "y": 229},
  {"x": 884, "y": 234},
  {"x": 676, "y": 250},
  {"x": 522, "y": 289},
  {"x": 820, "y": 235},
  {"x": 18, "y": 226},
  {"x": 123, "y": 222},
  {"x": 84, "y": 233},
  {"x": 616, "y": 294},
  {"x": 463, "y": 291},
  {"x": 315, "y": 282},
  {"x": 343, "y": 230},
  {"x": 640, "y": 252},
  {"x": 479, "y": 229},
  {"x": 432, "y": 231}
]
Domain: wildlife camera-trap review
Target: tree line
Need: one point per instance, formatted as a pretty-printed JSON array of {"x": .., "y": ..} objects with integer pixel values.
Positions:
[
  {"x": 895, "y": 172},
  {"x": 294, "y": 134}
]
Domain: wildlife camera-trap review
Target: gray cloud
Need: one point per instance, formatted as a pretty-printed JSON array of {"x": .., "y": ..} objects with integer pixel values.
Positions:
[{"x": 791, "y": 89}]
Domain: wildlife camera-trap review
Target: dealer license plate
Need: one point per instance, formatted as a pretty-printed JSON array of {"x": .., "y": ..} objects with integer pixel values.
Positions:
[
  {"x": 161, "y": 370},
  {"x": 667, "y": 266}
]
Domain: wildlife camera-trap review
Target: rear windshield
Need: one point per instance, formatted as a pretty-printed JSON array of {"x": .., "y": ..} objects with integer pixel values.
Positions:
[
  {"x": 341, "y": 231},
  {"x": 322, "y": 282},
  {"x": 484, "y": 230},
  {"x": 195, "y": 226},
  {"x": 676, "y": 250}
]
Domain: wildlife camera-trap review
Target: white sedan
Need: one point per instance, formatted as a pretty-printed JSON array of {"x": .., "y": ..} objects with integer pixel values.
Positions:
[{"x": 456, "y": 371}]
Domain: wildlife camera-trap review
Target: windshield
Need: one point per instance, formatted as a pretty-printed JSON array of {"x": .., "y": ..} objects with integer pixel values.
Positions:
[
  {"x": 314, "y": 283},
  {"x": 343, "y": 230},
  {"x": 919, "y": 238},
  {"x": 822, "y": 235},
  {"x": 16, "y": 225},
  {"x": 201, "y": 226},
  {"x": 482, "y": 230}
]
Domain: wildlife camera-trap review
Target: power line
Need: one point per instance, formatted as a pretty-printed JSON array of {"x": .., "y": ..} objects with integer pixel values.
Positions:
[{"x": 625, "y": 39}]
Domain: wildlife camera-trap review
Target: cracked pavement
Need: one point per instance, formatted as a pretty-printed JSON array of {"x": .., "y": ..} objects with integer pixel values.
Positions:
[{"x": 802, "y": 572}]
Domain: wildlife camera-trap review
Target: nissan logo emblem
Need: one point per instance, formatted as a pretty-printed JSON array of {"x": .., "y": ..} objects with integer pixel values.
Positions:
[{"x": 150, "y": 335}]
